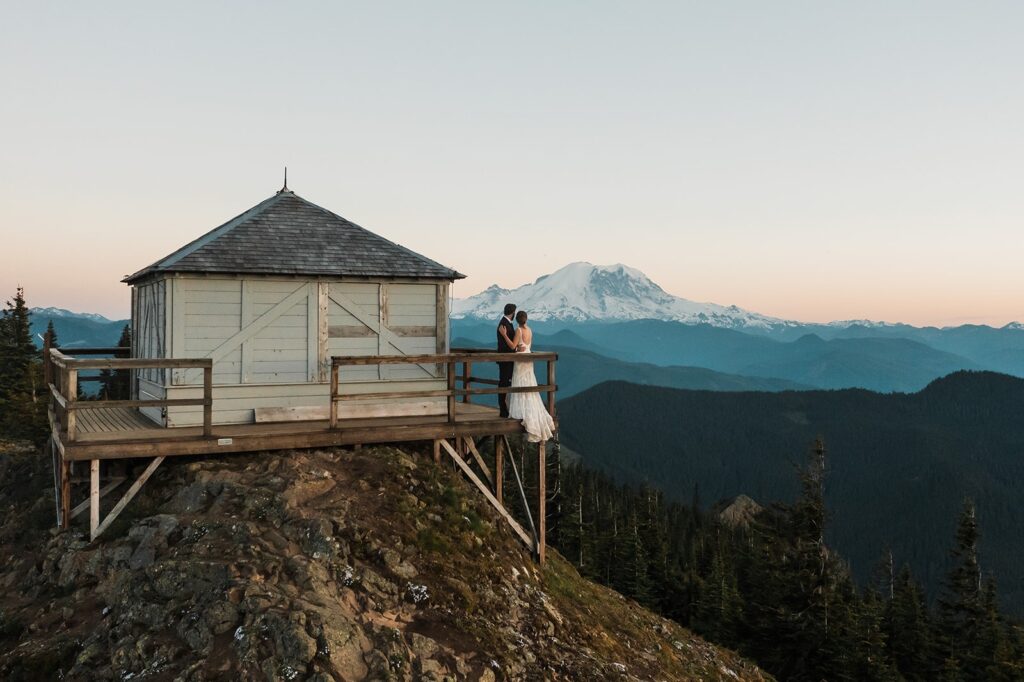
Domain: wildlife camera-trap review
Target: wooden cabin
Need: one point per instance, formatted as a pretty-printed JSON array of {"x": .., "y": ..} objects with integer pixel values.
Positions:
[
  {"x": 286, "y": 327},
  {"x": 270, "y": 296}
]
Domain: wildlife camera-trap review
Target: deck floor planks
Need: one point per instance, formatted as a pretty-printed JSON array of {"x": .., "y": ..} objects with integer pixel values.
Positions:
[{"x": 127, "y": 431}]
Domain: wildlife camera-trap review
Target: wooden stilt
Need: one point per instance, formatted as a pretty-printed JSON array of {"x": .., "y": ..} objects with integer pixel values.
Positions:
[
  {"x": 65, "y": 492},
  {"x": 437, "y": 451},
  {"x": 542, "y": 494},
  {"x": 94, "y": 497},
  {"x": 499, "y": 469},
  {"x": 471, "y": 448},
  {"x": 103, "y": 493},
  {"x": 123, "y": 502},
  {"x": 523, "y": 535}
]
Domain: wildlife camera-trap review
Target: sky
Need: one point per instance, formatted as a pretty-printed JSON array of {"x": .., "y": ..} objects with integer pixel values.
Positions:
[{"x": 806, "y": 160}]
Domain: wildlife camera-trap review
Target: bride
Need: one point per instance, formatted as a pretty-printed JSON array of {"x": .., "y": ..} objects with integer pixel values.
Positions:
[{"x": 528, "y": 406}]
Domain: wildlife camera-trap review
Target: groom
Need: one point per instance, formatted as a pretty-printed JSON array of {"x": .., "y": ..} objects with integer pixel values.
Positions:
[{"x": 506, "y": 332}]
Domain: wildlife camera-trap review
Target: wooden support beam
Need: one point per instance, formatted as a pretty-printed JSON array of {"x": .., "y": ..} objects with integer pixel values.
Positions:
[
  {"x": 123, "y": 502},
  {"x": 451, "y": 388},
  {"x": 334, "y": 393},
  {"x": 471, "y": 448},
  {"x": 542, "y": 494},
  {"x": 113, "y": 483},
  {"x": 208, "y": 401},
  {"x": 523, "y": 535},
  {"x": 55, "y": 462},
  {"x": 65, "y": 492},
  {"x": 499, "y": 469},
  {"x": 437, "y": 451},
  {"x": 94, "y": 498},
  {"x": 71, "y": 396}
]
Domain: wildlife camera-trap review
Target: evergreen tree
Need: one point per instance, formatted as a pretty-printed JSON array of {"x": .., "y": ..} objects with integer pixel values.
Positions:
[
  {"x": 116, "y": 384},
  {"x": 961, "y": 606},
  {"x": 908, "y": 629},
  {"x": 22, "y": 414},
  {"x": 52, "y": 333}
]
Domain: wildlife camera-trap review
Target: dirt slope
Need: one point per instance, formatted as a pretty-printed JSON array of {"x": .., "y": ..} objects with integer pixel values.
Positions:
[{"x": 322, "y": 565}]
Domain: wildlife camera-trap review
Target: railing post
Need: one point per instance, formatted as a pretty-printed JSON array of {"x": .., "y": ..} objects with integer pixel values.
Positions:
[
  {"x": 47, "y": 367},
  {"x": 72, "y": 396},
  {"x": 451, "y": 392},
  {"x": 467, "y": 367},
  {"x": 334, "y": 394},
  {"x": 551, "y": 391},
  {"x": 208, "y": 400}
]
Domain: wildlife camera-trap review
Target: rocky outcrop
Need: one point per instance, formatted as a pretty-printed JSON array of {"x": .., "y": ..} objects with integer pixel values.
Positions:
[
  {"x": 738, "y": 512},
  {"x": 311, "y": 565}
]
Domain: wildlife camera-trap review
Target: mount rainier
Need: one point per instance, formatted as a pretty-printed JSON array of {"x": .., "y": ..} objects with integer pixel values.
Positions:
[{"x": 581, "y": 292}]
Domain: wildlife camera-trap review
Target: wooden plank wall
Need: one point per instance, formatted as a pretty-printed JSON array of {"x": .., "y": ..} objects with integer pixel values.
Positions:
[
  {"x": 271, "y": 340},
  {"x": 149, "y": 340}
]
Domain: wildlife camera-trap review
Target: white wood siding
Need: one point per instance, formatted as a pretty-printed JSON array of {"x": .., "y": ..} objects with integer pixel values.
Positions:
[
  {"x": 149, "y": 311},
  {"x": 272, "y": 339}
]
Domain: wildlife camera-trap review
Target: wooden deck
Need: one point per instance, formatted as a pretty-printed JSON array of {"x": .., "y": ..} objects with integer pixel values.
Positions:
[
  {"x": 116, "y": 433},
  {"x": 97, "y": 423},
  {"x": 111, "y": 429}
]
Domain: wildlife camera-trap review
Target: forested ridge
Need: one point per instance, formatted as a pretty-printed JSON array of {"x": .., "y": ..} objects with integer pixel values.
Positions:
[
  {"x": 770, "y": 586},
  {"x": 899, "y": 465}
]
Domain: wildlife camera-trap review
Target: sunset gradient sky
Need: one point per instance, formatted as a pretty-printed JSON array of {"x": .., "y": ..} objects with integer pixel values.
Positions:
[{"x": 807, "y": 160}]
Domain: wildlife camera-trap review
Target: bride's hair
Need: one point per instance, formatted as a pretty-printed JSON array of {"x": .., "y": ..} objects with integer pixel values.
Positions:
[{"x": 521, "y": 317}]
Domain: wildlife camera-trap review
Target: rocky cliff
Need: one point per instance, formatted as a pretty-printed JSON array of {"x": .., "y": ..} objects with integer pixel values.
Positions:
[{"x": 311, "y": 565}]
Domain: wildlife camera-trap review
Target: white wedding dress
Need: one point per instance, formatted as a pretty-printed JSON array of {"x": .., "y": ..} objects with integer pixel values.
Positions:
[{"x": 528, "y": 406}]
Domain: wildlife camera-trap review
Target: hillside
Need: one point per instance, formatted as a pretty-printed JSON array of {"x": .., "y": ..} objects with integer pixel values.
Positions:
[
  {"x": 323, "y": 565},
  {"x": 900, "y": 464}
]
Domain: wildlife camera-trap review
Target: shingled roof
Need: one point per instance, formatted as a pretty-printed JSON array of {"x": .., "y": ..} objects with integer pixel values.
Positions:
[{"x": 287, "y": 235}]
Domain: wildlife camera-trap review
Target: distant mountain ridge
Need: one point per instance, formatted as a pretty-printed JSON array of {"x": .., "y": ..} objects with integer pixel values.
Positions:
[
  {"x": 82, "y": 330},
  {"x": 579, "y": 369},
  {"x": 62, "y": 312}
]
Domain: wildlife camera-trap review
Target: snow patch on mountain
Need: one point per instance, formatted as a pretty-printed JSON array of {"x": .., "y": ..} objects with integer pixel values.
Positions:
[
  {"x": 61, "y": 312},
  {"x": 582, "y": 292}
]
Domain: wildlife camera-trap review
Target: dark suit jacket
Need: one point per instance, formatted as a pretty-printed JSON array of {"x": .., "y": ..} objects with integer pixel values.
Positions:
[{"x": 510, "y": 330}]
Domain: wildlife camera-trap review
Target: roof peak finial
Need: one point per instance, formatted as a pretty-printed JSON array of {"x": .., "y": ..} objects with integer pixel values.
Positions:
[{"x": 285, "y": 187}]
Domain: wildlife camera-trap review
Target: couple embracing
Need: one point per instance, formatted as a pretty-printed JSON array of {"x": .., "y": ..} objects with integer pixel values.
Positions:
[{"x": 527, "y": 407}]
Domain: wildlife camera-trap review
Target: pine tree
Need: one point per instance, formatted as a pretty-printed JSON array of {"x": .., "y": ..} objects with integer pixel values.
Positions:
[
  {"x": 908, "y": 629},
  {"x": 116, "y": 385},
  {"x": 52, "y": 333},
  {"x": 961, "y": 606},
  {"x": 21, "y": 410}
]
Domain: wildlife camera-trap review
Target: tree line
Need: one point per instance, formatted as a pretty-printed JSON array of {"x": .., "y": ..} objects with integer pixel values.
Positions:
[{"x": 768, "y": 586}]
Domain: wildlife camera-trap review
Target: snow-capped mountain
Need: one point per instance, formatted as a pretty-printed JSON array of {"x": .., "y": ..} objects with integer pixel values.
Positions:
[
  {"x": 61, "y": 312},
  {"x": 582, "y": 292}
]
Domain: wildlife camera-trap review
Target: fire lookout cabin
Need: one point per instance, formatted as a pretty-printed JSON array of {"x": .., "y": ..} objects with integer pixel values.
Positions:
[{"x": 286, "y": 327}]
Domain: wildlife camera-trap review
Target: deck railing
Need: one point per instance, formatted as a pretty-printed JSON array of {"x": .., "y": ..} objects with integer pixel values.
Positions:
[
  {"x": 467, "y": 357},
  {"x": 62, "y": 374},
  {"x": 61, "y": 371}
]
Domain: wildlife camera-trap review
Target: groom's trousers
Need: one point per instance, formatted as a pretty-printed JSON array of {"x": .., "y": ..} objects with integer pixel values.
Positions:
[{"x": 504, "y": 379}]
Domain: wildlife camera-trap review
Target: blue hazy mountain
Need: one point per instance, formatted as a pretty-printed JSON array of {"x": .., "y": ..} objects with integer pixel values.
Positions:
[
  {"x": 876, "y": 363},
  {"x": 76, "y": 329},
  {"x": 579, "y": 369}
]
